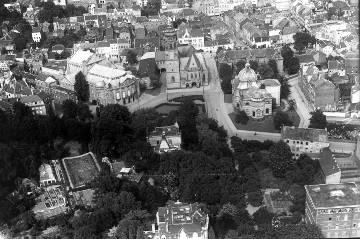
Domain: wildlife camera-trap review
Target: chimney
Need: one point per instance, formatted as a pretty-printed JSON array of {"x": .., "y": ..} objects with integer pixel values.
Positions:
[{"x": 153, "y": 228}]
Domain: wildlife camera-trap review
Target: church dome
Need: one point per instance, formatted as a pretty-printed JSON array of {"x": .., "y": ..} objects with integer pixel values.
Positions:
[
  {"x": 257, "y": 96},
  {"x": 247, "y": 74}
]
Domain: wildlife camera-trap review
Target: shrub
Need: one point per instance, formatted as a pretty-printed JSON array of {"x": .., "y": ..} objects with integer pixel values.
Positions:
[
  {"x": 257, "y": 156},
  {"x": 255, "y": 198},
  {"x": 296, "y": 217},
  {"x": 242, "y": 118}
]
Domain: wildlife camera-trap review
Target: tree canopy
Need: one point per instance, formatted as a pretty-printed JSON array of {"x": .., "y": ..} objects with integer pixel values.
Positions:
[
  {"x": 226, "y": 85},
  {"x": 303, "y": 40},
  {"x": 265, "y": 71},
  {"x": 225, "y": 71},
  {"x": 318, "y": 120},
  {"x": 81, "y": 87},
  {"x": 280, "y": 159}
]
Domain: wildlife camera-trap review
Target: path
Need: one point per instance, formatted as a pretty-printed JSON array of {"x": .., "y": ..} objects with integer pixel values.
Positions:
[{"x": 302, "y": 109}]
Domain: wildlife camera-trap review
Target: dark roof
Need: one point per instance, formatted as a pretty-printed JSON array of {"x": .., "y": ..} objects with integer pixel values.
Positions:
[
  {"x": 328, "y": 162},
  {"x": 147, "y": 67},
  {"x": 308, "y": 134},
  {"x": 5, "y": 105},
  {"x": 14, "y": 197},
  {"x": 306, "y": 58},
  {"x": 43, "y": 95}
]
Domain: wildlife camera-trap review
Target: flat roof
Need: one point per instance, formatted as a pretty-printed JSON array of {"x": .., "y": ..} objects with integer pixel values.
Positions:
[{"x": 334, "y": 195}]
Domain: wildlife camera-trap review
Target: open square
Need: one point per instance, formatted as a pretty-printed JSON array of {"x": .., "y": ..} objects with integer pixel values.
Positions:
[{"x": 81, "y": 169}]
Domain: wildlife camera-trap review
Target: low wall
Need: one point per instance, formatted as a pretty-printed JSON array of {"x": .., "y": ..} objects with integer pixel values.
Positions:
[{"x": 335, "y": 114}]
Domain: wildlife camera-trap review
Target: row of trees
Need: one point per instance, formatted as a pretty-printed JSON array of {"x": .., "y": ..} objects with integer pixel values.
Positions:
[{"x": 49, "y": 11}]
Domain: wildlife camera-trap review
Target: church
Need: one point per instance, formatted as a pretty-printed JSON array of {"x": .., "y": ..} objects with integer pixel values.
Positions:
[{"x": 253, "y": 95}]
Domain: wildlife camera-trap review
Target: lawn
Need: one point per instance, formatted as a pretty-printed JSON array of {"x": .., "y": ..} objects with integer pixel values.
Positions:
[
  {"x": 268, "y": 180},
  {"x": 265, "y": 126},
  {"x": 81, "y": 169}
]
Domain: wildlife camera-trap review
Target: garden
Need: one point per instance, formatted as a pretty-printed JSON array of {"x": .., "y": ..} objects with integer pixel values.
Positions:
[
  {"x": 343, "y": 131},
  {"x": 81, "y": 169}
]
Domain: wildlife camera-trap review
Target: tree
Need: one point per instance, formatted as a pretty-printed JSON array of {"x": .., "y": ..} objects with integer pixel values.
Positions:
[
  {"x": 263, "y": 216},
  {"x": 285, "y": 89},
  {"x": 318, "y": 120},
  {"x": 255, "y": 198},
  {"x": 226, "y": 85},
  {"x": 155, "y": 81},
  {"x": 265, "y": 71},
  {"x": 273, "y": 65},
  {"x": 281, "y": 118},
  {"x": 254, "y": 65},
  {"x": 287, "y": 54},
  {"x": 144, "y": 121},
  {"x": 280, "y": 159},
  {"x": 81, "y": 87},
  {"x": 188, "y": 112},
  {"x": 85, "y": 232},
  {"x": 296, "y": 217},
  {"x": 302, "y": 40},
  {"x": 301, "y": 230},
  {"x": 242, "y": 118},
  {"x": 293, "y": 65},
  {"x": 70, "y": 109},
  {"x": 49, "y": 10},
  {"x": 131, "y": 57},
  {"x": 225, "y": 70},
  {"x": 83, "y": 112},
  {"x": 111, "y": 132},
  {"x": 72, "y": 10},
  {"x": 239, "y": 65}
]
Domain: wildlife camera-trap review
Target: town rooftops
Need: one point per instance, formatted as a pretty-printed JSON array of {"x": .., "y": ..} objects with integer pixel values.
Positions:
[
  {"x": 328, "y": 162},
  {"x": 290, "y": 30},
  {"x": 58, "y": 47},
  {"x": 30, "y": 98},
  {"x": 306, "y": 58},
  {"x": 334, "y": 195},
  {"x": 271, "y": 82},
  {"x": 141, "y": 42},
  {"x": 308, "y": 134}
]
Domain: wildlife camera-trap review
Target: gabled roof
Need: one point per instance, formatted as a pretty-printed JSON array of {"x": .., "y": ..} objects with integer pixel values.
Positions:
[
  {"x": 186, "y": 12},
  {"x": 141, "y": 42},
  {"x": 30, "y": 98},
  {"x": 36, "y": 30},
  {"x": 328, "y": 162},
  {"x": 306, "y": 58},
  {"x": 308, "y": 134}
]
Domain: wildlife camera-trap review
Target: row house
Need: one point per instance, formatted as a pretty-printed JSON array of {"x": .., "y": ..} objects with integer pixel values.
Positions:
[
  {"x": 333, "y": 26},
  {"x": 305, "y": 140},
  {"x": 194, "y": 37},
  {"x": 336, "y": 67},
  {"x": 260, "y": 55},
  {"x": 212, "y": 46},
  {"x": 35, "y": 103},
  {"x": 250, "y": 32},
  {"x": 319, "y": 92}
]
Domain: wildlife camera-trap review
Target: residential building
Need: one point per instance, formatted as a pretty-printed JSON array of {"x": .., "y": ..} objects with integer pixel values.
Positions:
[
  {"x": 335, "y": 208},
  {"x": 180, "y": 220},
  {"x": 59, "y": 94},
  {"x": 191, "y": 37},
  {"x": 259, "y": 55},
  {"x": 287, "y": 34},
  {"x": 306, "y": 59},
  {"x": 58, "y": 48},
  {"x": 319, "y": 92},
  {"x": 305, "y": 140},
  {"x": 212, "y": 46},
  {"x": 165, "y": 139},
  {"x": 282, "y": 5},
  {"x": 36, "y": 34},
  {"x": 325, "y": 46},
  {"x": 147, "y": 68},
  {"x": 35, "y": 103}
]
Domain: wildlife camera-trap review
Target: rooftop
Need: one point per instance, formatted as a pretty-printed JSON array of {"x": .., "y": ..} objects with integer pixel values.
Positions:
[
  {"x": 334, "y": 195},
  {"x": 308, "y": 134},
  {"x": 328, "y": 162},
  {"x": 46, "y": 173}
]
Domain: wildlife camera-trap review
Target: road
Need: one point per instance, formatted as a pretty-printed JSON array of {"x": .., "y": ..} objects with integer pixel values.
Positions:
[{"x": 301, "y": 109}]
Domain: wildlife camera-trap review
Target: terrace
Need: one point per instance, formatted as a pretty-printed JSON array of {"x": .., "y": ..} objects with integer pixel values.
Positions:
[{"x": 81, "y": 169}]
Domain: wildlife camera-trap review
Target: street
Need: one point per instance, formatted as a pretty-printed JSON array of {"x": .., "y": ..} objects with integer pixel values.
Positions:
[{"x": 301, "y": 108}]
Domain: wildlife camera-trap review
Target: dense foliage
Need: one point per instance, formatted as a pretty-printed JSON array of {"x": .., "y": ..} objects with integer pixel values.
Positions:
[{"x": 318, "y": 120}]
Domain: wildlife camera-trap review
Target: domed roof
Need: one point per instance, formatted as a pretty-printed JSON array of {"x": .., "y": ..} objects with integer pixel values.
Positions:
[
  {"x": 100, "y": 84},
  {"x": 257, "y": 95},
  {"x": 247, "y": 74}
]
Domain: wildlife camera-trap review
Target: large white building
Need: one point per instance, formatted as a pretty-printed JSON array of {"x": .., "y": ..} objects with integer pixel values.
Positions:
[
  {"x": 282, "y": 5},
  {"x": 194, "y": 37}
]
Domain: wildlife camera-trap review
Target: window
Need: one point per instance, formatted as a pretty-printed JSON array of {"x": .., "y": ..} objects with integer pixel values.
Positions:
[{"x": 307, "y": 143}]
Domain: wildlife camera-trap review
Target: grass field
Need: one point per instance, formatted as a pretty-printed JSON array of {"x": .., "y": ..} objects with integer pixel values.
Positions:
[
  {"x": 265, "y": 126},
  {"x": 80, "y": 169}
]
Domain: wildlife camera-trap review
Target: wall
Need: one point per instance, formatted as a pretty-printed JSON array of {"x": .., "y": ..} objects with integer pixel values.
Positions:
[{"x": 333, "y": 178}]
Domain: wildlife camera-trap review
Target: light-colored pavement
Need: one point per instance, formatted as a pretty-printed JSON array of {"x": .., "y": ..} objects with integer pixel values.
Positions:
[
  {"x": 342, "y": 147},
  {"x": 301, "y": 108}
]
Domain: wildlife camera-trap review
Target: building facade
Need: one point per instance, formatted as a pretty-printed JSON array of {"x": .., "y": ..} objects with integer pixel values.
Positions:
[
  {"x": 180, "y": 220},
  {"x": 335, "y": 208},
  {"x": 165, "y": 139},
  {"x": 112, "y": 86},
  {"x": 305, "y": 140}
]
